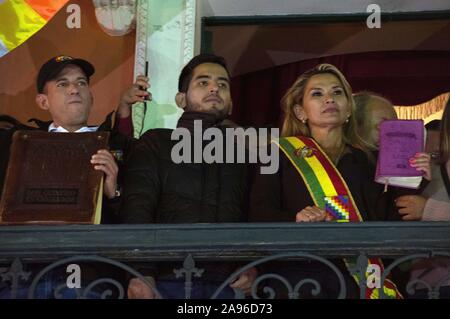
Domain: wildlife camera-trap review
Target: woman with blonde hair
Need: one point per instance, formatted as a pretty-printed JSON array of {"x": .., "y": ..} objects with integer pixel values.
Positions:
[
  {"x": 372, "y": 109},
  {"x": 319, "y": 105},
  {"x": 292, "y": 105},
  {"x": 324, "y": 172}
]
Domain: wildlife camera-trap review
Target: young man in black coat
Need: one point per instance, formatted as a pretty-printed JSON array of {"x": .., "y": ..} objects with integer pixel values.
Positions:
[{"x": 159, "y": 188}]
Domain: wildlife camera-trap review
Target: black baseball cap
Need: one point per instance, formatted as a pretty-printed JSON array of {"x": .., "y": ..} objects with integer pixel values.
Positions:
[{"x": 55, "y": 65}]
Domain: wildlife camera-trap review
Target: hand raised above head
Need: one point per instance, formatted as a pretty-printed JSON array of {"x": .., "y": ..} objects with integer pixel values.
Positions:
[{"x": 133, "y": 94}]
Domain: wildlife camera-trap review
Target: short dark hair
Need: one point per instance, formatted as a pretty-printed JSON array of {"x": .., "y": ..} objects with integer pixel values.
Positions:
[{"x": 186, "y": 74}]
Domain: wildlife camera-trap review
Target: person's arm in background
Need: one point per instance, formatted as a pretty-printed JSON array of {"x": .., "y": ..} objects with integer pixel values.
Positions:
[
  {"x": 436, "y": 210},
  {"x": 411, "y": 206},
  {"x": 133, "y": 94},
  {"x": 121, "y": 144}
]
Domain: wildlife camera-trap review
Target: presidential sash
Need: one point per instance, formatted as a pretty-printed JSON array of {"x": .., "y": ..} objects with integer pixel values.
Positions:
[{"x": 330, "y": 192}]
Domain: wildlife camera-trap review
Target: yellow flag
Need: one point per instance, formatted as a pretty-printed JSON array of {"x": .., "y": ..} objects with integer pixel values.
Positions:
[{"x": 20, "y": 19}]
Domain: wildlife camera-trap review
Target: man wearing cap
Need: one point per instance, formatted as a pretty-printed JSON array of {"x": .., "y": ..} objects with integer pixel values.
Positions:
[
  {"x": 63, "y": 91},
  {"x": 157, "y": 189}
]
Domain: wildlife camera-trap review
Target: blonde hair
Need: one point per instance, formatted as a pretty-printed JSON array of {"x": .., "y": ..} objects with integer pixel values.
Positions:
[
  {"x": 362, "y": 114},
  {"x": 294, "y": 96},
  {"x": 445, "y": 134}
]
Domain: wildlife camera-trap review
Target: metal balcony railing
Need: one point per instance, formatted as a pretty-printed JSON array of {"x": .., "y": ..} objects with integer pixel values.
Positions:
[{"x": 252, "y": 244}]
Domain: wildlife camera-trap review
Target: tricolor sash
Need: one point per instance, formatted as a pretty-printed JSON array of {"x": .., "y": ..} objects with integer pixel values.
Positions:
[{"x": 330, "y": 192}]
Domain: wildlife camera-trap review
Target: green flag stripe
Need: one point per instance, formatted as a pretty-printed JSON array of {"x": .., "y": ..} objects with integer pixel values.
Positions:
[{"x": 311, "y": 178}]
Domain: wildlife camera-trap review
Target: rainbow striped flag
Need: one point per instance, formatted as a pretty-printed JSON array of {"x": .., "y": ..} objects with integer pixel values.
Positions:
[{"x": 20, "y": 19}]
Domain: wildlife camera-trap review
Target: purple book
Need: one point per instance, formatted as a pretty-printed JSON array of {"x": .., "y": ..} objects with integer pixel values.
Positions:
[{"x": 400, "y": 140}]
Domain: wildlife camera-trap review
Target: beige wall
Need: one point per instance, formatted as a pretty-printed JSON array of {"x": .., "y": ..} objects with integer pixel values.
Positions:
[{"x": 113, "y": 58}]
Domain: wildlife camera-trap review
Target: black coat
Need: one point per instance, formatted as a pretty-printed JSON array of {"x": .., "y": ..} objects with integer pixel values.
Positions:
[
  {"x": 157, "y": 190},
  {"x": 279, "y": 197},
  {"x": 117, "y": 142}
]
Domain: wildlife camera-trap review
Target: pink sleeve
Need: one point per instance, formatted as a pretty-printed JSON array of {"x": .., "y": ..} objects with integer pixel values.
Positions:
[{"x": 436, "y": 210}]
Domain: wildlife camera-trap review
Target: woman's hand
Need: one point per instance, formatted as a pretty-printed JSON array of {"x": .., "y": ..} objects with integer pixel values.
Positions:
[
  {"x": 421, "y": 162},
  {"x": 312, "y": 214},
  {"x": 411, "y": 206}
]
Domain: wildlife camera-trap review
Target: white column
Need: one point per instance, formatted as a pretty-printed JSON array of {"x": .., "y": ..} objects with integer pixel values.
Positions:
[{"x": 165, "y": 37}]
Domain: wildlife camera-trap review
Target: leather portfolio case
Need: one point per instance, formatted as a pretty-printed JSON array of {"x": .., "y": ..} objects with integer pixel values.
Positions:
[{"x": 50, "y": 178}]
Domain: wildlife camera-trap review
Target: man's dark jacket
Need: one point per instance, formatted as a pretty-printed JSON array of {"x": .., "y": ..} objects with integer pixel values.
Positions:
[
  {"x": 117, "y": 142},
  {"x": 158, "y": 190}
]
